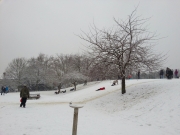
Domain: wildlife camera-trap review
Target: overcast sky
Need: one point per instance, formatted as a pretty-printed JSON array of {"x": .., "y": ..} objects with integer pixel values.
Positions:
[{"x": 30, "y": 27}]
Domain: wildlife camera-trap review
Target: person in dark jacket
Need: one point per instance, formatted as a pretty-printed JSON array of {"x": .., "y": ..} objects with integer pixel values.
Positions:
[
  {"x": 2, "y": 89},
  {"x": 161, "y": 73},
  {"x": 138, "y": 74},
  {"x": 24, "y": 94},
  {"x": 169, "y": 73}
]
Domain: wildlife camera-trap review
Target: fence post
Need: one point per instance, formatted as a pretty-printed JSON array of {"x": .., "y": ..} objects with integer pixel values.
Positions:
[{"x": 75, "y": 119}]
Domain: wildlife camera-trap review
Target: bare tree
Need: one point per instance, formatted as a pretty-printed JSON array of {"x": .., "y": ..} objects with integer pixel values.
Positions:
[
  {"x": 126, "y": 46},
  {"x": 15, "y": 70},
  {"x": 87, "y": 64},
  {"x": 74, "y": 78},
  {"x": 61, "y": 65},
  {"x": 77, "y": 62},
  {"x": 82, "y": 64},
  {"x": 38, "y": 70}
]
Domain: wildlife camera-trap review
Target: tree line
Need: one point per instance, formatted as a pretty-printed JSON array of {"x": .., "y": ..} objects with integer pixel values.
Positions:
[{"x": 111, "y": 52}]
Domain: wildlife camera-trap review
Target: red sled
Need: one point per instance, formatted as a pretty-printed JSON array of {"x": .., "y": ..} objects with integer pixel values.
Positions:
[
  {"x": 21, "y": 100},
  {"x": 102, "y": 88}
]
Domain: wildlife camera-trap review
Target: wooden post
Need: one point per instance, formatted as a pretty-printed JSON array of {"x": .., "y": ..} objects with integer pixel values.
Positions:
[{"x": 75, "y": 119}]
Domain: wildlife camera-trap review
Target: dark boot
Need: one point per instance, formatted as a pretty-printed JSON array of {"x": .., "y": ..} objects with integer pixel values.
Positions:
[
  {"x": 24, "y": 102},
  {"x": 24, "y": 105}
]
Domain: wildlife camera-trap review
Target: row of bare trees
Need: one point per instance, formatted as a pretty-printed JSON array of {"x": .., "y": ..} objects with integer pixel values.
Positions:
[{"x": 49, "y": 70}]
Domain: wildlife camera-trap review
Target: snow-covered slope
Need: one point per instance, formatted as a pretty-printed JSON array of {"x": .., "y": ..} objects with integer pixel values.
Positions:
[{"x": 149, "y": 107}]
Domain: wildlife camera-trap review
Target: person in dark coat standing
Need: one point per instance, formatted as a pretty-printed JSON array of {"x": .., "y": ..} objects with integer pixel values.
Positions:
[
  {"x": 138, "y": 74},
  {"x": 167, "y": 69},
  {"x": 24, "y": 94},
  {"x": 2, "y": 89},
  {"x": 161, "y": 73},
  {"x": 169, "y": 73}
]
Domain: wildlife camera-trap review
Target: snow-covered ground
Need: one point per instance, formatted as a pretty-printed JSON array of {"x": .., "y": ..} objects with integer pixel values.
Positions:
[{"x": 150, "y": 107}]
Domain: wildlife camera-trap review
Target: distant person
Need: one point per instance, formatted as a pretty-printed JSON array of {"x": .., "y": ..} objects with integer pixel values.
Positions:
[
  {"x": 176, "y": 73},
  {"x": 85, "y": 82},
  {"x": 57, "y": 92},
  {"x": 7, "y": 89},
  {"x": 114, "y": 82},
  {"x": 72, "y": 89},
  {"x": 138, "y": 74},
  {"x": 2, "y": 90},
  {"x": 24, "y": 94},
  {"x": 161, "y": 73},
  {"x": 59, "y": 88},
  {"x": 129, "y": 76},
  {"x": 169, "y": 73},
  {"x": 167, "y": 69},
  {"x": 64, "y": 91}
]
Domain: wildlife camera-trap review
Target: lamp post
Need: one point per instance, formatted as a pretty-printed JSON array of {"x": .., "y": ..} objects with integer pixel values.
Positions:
[{"x": 75, "y": 119}]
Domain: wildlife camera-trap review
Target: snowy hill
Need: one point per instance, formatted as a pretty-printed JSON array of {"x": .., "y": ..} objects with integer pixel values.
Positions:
[{"x": 149, "y": 107}]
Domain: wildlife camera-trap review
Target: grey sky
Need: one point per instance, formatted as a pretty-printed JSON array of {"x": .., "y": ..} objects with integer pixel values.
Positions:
[{"x": 30, "y": 27}]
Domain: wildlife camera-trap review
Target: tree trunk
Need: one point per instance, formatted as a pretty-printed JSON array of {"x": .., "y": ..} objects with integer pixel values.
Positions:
[
  {"x": 74, "y": 86},
  {"x": 37, "y": 87},
  {"x": 123, "y": 84}
]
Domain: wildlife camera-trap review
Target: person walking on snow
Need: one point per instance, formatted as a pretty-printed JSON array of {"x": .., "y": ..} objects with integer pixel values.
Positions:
[{"x": 24, "y": 94}]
